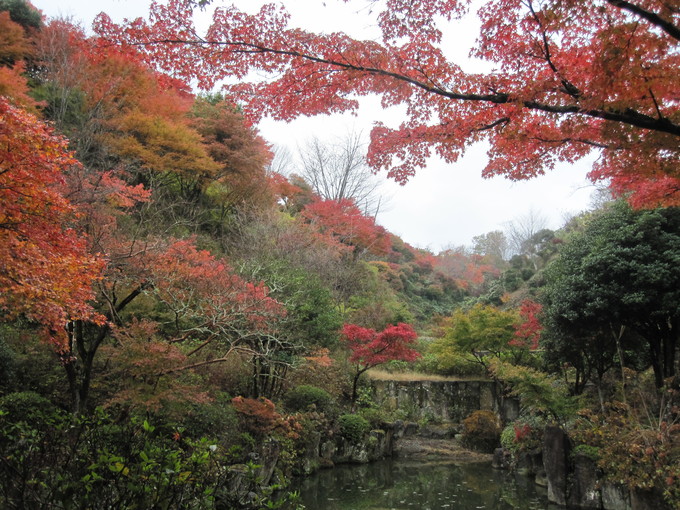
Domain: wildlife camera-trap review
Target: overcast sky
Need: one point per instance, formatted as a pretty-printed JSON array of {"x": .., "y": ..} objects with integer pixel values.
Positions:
[{"x": 443, "y": 205}]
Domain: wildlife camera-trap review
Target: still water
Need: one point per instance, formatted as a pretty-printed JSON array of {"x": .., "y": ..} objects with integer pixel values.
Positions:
[{"x": 394, "y": 484}]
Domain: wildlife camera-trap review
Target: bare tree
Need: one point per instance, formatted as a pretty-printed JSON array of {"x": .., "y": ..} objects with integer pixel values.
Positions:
[
  {"x": 522, "y": 229},
  {"x": 338, "y": 171},
  {"x": 281, "y": 162}
]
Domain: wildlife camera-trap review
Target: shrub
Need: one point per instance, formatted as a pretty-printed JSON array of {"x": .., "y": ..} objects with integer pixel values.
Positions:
[
  {"x": 481, "y": 431},
  {"x": 216, "y": 419},
  {"x": 28, "y": 407},
  {"x": 353, "y": 427},
  {"x": 375, "y": 417},
  {"x": 99, "y": 462},
  {"x": 525, "y": 433},
  {"x": 301, "y": 398}
]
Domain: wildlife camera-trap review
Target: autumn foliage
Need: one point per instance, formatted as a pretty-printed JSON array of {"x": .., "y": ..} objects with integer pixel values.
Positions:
[
  {"x": 370, "y": 348},
  {"x": 568, "y": 78},
  {"x": 344, "y": 222},
  {"x": 46, "y": 271},
  {"x": 528, "y": 330}
]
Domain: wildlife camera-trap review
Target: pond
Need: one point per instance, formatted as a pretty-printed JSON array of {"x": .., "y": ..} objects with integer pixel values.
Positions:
[{"x": 423, "y": 485}]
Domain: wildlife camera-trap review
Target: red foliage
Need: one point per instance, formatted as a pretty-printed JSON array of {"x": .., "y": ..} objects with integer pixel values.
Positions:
[
  {"x": 46, "y": 272},
  {"x": 521, "y": 432},
  {"x": 371, "y": 348},
  {"x": 343, "y": 220},
  {"x": 528, "y": 332},
  {"x": 568, "y": 78},
  {"x": 209, "y": 300}
]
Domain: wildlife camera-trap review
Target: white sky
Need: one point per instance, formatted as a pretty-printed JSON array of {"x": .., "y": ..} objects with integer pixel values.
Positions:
[{"x": 443, "y": 204}]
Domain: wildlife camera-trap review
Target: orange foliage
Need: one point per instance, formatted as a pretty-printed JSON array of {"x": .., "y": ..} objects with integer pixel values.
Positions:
[
  {"x": 46, "y": 272},
  {"x": 14, "y": 47}
]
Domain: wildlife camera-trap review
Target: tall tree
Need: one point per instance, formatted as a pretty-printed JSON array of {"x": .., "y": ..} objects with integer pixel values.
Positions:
[
  {"x": 622, "y": 270},
  {"x": 569, "y": 77}
]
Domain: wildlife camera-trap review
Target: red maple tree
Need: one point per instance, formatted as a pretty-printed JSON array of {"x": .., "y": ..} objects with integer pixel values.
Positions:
[
  {"x": 568, "y": 78},
  {"x": 46, "y": 272},
  {"x": 528, "y": 331},
  {"x": 370, "y": 348}
]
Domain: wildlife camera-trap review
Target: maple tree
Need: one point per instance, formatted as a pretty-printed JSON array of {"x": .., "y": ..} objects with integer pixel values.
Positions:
[
  {"x": 528, "y": 331},
  {"x": 568, "y": 78},
  {"x": 479, "y": 332},
  {"x": 46, "y": 271},
  {"x": 235, "y": 145},
  {"x": 370, "y": 348}
]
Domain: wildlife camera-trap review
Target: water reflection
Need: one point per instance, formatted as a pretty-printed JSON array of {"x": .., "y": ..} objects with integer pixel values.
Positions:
[{"x": 393, "y": 484}]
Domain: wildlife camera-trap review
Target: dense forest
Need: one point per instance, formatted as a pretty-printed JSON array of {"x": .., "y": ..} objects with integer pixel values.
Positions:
[{"x": 172, "y": 299}]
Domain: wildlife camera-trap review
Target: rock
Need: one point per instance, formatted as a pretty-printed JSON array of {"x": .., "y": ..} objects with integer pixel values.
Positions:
[
  {"x": 615, "y": 497},
  {"x": 583, "y": 489},
  {"x": 646, "y": 500},
  {"x": 269, "y": 453},
  {"x": 529, "y": 463},
  {"x": 541, "y": 479},
  {"x": 501, "y": 458},
  {"x": 445, "y": 401},
  {"x": 411, "y": 429},
  {"x": 556, "y": 463}
]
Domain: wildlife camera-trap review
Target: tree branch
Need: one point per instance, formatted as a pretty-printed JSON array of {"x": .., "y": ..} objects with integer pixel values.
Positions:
[
  {"x": 652, "y": 17},
  {"x": 628, "y": 116}
]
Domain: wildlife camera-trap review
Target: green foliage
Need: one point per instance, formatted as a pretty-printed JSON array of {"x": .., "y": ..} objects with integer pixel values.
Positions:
[
  {"x": 98, "y": 462},
  {"x": 444, "y": 359},
  {"x": 353, "y": 427},
  {"x": 7, "y": 365},
  {"x": 304, "y": 396},
  {"x": 216, "y": 419},
  {"x": 29, "y": 408},
  {"x": 524, "y": 434},
  {"x": 472, "y": 337},
  {"x": 21, "y": 12},
  {"x": 375, "y": 417},
  {"x": 537, "y": 390},
  {"x": 508, "y": 439},
  {"x": 622, "y": 270},
  {"x": 482, "y": 431}
]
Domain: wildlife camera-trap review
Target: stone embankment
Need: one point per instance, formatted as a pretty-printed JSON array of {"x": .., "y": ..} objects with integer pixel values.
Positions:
[{"x": 572, "y": 479}]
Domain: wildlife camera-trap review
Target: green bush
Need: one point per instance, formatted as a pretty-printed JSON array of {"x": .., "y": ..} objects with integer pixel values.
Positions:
[
  {"x": 482, "y": 431},
  {"x": 353, "y": 427},
  {"x": 216, "y": 419},
  {"x": 375, "y": 417},
  {"x": 28, "y": 407},
  {"x": 7, "y": 364},
  {"x": 525, "y": 433},
  {"x": 508, "y": 439},
  {"x": 302, "y": 397},
  {"x": 99, "y": 462}
]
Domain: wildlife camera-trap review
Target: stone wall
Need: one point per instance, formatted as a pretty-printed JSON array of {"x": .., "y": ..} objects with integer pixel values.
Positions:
[{"x": 444, "y": 401}]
